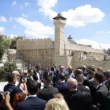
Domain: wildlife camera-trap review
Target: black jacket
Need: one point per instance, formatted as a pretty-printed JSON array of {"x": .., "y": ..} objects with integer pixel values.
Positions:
[
  {"x": 107, "y": 102},
  {"x": 47, "y": 93},
  {"x": 100, "y": 96},
  {"x": 31, "y": 103},
  {"x": 81, "y": 87},
  {"x": 79, "y": 100}
]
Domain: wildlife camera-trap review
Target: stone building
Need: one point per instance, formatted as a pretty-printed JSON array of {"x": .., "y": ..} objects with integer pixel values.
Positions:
[{"x": 60, "y": 51}]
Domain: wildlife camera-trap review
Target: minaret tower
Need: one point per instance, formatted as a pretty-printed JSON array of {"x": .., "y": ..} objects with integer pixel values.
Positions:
[{"x": 59, "y": 22}]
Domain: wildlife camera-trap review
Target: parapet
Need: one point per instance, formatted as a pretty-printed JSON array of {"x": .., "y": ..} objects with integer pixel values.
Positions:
[{"x": 30, "y": 44}]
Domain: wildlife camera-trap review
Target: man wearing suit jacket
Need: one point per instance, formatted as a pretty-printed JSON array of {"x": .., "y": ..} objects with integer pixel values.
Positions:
[
  {"x": 76, "y": 99},
  {"x": 32, "y": 102},
  {"x": 107, "y": 102},
  {"x": 48, "y": 91},
  {"x": 62, "y": 86},
  {"x": 80, "y": 79},
  {"x": 37, "y": 74},
  {"x": 101, "y": 91}
]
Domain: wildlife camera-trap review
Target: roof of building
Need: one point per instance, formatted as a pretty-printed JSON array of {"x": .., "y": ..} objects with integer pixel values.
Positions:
[
  {"x": 59, "y": 16},
  {"x": 70, "y": 37}
]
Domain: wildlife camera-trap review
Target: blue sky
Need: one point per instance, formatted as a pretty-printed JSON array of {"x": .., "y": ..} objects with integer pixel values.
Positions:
[{"x": 87, "y": 20}]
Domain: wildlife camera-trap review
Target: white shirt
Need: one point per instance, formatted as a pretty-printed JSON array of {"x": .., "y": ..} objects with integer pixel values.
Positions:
[
  {"x": 38, "y": 76},
  {"x": 31, "y": 96},
  {"x": 17, "y": 82}
]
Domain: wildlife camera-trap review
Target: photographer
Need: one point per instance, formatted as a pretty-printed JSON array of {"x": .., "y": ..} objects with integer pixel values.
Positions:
[
  {"x": 11, "y": 88},
  {"x": 22, "y": 84},
  {"x": 21, "y": 81},
  {"x": 5, "y": 102}
]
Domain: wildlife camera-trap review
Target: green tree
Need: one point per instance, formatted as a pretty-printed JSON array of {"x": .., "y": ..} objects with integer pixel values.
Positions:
[
  {"x": 7, "y": 68},
  {"x": 1, "y": 47},
  {"x": 6, "y": 43},
  {"x": 14, "y": 42}
]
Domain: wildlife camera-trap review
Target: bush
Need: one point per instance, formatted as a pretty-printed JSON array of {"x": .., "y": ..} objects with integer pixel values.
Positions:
[{"x": 7, "y": 68}]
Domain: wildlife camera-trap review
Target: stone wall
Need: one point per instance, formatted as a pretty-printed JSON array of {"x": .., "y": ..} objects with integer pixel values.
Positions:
[
  {"x": 98, "y": 54},
  {"x": 43, "y": 57},
  {"x": 79, "y": 47},
  {"x": 61, "y": 60},
  {"x": 78, "y": 62},
  {"x": 31, "y": 44}
]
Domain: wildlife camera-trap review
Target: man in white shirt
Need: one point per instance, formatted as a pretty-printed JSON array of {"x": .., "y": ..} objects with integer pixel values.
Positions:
[{"x": 17, "y": 76}]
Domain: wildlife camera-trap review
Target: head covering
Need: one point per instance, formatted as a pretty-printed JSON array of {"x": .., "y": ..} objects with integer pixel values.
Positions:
[{"x": 15, "y": 72}]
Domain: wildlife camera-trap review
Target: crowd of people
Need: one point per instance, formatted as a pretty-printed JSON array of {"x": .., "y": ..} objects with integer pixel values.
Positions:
[{"x": 57, "y": 88}]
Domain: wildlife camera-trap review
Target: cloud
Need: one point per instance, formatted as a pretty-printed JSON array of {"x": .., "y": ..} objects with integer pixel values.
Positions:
[
  {"x": 103, "y": 32},
  {"x": 93, "y": 43},
  {"x": 2, "y": 29},
  {"x": 27, "y": 4},
  {"x": 14, "y": 26},
  {"x": 11, "y": 19},
  {"x": 35, "y": 29},
  {"x": 21, "y": 7},
  {"x": 13, "y": 36},
  {"x": 14, "y": 3},
  {"x": 3, "y": 19},
  {"x": 47, "y": 4},
  {"x": 108, "y": 32},
  {"x": 83, "y": 15},
  {"x": 24, "y": 15},
  {"x": 46, "y": 7},
  {"x": 78, "y": 17}
]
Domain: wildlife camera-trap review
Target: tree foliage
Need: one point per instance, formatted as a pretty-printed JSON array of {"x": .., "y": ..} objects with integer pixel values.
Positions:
[
  {"x": 13, "y": 44},
  {"x": 4, "y": 45},
  {"x": 1, "y": 47},
  {"x": 7, "y": 68}
]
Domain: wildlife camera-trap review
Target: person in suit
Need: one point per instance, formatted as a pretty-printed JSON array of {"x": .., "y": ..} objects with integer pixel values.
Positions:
[
  {"x": 11, "y": 87},
  {"x": 37, "y": 74},
  {"x": 100, "y": 70},
  {"x": 76, "y": 99},
  {"x": 48, "y": 91},
  {"x": 80, "y": 80},
  {"x": 56, "y": 74},
  {"x": 91, "y": 82},
  {"x": 106, "y": 78},
  {"x": 62, "y": 86},
  {"x": 107, "y": 99},
  {"x": 107, "y": 102},
  {"x": 69, "y": 73},
  {"x": 32, "y": 102},
  {"x": 30, "y": 76},
  {"x": 101, "y": 91}
]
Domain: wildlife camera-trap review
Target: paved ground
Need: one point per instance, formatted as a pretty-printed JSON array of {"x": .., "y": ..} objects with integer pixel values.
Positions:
[{"x": 2, "y": 84}]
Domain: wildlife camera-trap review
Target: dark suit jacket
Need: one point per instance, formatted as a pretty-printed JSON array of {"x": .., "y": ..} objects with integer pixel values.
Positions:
[
  {"x": 92, "y": 86},
  {"x": 100, "y": 95},
  {"x": 47, "y": 93},
  {"x": 81, "y": 87},
  {"x": 107, "y": 102},
  {"x": 79, "y": 100},
  {"x": 31, "y": 103},
  {"x": 62, "y": 87},
  {"x": 35, "y": 76}
]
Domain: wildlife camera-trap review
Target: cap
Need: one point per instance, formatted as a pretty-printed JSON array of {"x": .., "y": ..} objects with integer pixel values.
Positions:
[{"x": 15, "y": 72}]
